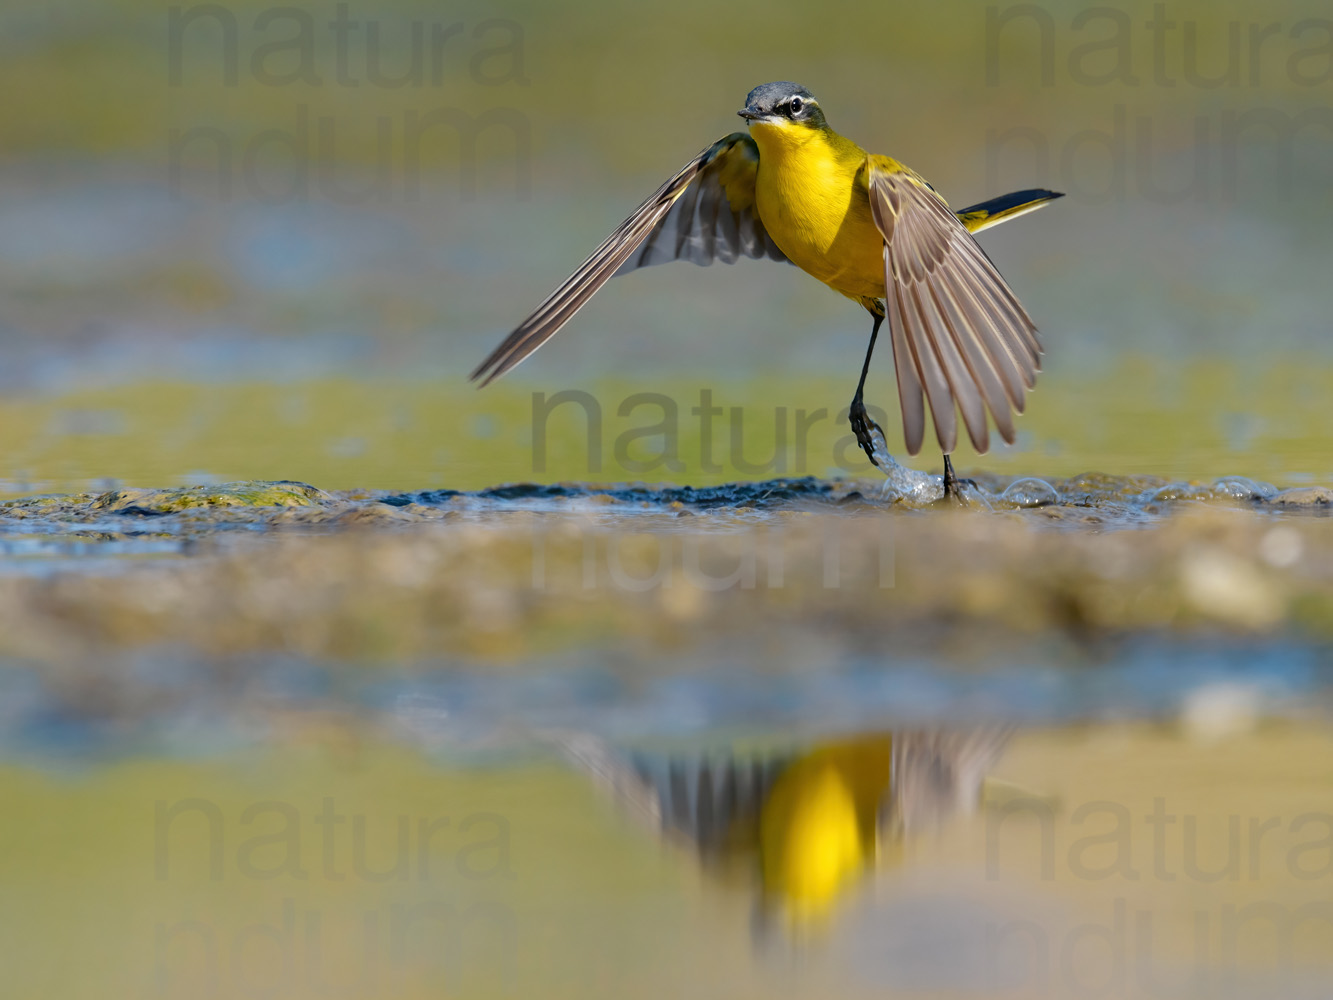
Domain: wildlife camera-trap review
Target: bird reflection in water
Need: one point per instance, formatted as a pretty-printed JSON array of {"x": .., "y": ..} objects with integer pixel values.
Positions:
[{"x": 803, "y": 828}]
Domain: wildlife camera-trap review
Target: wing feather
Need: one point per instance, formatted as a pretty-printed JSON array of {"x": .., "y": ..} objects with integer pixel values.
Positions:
[
  {"x": 908, "y": 370},
  {"x": 704, "y": 213},
  {"x": 961, "y": 339},
  {"x": 981, "y": 366}
]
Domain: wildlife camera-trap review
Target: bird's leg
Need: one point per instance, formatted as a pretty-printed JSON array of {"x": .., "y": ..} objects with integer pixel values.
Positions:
[
  {"x": 953, "y": 486},
  {"x": 862, "y": 425},
  {"x": 952, "y": 491}
]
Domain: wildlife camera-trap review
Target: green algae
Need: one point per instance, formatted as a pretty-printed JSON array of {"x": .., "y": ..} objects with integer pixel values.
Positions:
[
  {"x": 170, "y": 501},
  {"x": 525, "y": 571},
  {"x": 417, "y": 434}
]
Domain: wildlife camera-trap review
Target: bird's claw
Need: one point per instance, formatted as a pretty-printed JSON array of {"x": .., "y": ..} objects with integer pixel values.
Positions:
[{"x": 864, "y": 428}]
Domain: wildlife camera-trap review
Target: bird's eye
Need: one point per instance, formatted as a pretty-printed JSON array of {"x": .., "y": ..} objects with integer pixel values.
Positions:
[{"x": 796, "y": 105}]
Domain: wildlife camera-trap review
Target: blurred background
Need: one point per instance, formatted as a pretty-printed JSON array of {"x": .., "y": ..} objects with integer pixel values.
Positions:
[
  {"x": 249, "y": 241},
  {"x": 372, "y": 737}
]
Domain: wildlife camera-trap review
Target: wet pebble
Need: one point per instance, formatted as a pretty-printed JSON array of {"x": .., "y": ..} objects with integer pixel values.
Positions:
[
  {"x": 1281, "y": 547},
  {"x": 1179, "y": 491},
  {"x": 1226, "y": 588},
  {"x": 1304, "y": 496},
  {"x": 1220, "y": 711}
]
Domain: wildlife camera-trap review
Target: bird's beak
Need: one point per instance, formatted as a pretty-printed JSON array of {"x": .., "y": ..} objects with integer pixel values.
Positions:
[{"x": 751, "y": 116}]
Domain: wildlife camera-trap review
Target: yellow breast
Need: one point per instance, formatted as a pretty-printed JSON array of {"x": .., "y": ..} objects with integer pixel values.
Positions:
[
  {"x": 818, "y": 827},
  {"x": 811, "y": 197}
]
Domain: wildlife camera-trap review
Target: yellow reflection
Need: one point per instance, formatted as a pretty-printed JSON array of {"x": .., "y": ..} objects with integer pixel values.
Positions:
[
  {"x": 804, "y": 829},
  {"x": 818, "y": 829}
]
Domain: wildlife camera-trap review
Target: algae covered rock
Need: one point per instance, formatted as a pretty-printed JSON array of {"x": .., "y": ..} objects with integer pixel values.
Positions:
[
  {"x": 1304, "y": 496},
  {"x": 54, "y": 507},
  {"x": 259, "y": 493}
]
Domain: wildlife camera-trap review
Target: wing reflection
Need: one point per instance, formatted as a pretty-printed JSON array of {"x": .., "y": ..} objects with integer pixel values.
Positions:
[{"x": 802, "y": 827}]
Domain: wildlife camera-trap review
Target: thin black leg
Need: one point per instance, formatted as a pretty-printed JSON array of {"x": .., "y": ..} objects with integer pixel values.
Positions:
[
  {"x": 953, "y": 486},
  {"x": 951, "y": 489},
  {"x": 862, "y": 425}
]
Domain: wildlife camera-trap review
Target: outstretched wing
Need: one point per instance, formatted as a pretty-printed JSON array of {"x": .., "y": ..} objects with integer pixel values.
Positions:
[
  {"x": 704, "y": 213},
  {"x": 938, "y": 774},
  {"x": 710, "y": 804},
  {"x": 959, "y": 334},
  {"x": 715, "y": 217}
]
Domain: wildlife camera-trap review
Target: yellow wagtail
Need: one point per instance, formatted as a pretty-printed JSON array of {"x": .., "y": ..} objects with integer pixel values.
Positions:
[
  {"x": 803, "y": 828},
  {"x": 866, "y": 226}
]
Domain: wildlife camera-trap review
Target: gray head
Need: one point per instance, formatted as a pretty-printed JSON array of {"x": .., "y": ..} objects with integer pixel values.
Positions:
[{"x": 782, "y": 103}]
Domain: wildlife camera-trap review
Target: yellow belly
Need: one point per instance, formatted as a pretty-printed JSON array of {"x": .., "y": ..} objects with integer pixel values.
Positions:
[{"x": 810, "y": 201}]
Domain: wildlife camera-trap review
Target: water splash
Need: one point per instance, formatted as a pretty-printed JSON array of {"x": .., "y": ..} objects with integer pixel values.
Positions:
[{"x": 900, "y": 482}]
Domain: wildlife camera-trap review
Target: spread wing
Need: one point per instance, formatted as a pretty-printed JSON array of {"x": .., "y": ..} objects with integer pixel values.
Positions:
[
  {"x": 959, "y": 334},
  {"x": 704, "y": 213},
  {"x": 939, "y": 774},
  {"x": 709, "y": 804}
]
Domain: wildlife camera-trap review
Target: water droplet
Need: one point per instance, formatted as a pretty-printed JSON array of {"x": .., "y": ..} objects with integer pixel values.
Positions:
[{"x": 1030, "y": 492}]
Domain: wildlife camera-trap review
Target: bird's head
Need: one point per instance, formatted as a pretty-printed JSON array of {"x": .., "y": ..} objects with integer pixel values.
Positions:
[{"x": 783, "y": 109}]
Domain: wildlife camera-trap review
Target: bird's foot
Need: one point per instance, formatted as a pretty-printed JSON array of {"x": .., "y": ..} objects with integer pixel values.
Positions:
[
  {"x": 865, "y": 429},
  {"x": 953, "y": 486},
  {"x": 900, "y": 482}
]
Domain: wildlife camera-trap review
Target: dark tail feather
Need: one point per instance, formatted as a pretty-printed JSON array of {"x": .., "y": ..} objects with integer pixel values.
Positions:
[{"x": 1008, "y": 206}]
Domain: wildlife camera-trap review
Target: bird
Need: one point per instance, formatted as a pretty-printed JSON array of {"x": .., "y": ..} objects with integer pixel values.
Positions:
[
  {"x": 802, "y": 827},
  {"x": 792, "y": 189}
]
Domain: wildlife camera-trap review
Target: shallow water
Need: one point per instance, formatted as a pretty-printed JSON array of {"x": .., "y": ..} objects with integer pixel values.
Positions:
[
  {"x": 587, "y": 736},
  {"x": 780, "y": 738},
  {"x": 425, "y": 853},
  {"x": 1176, "y": 421}
]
